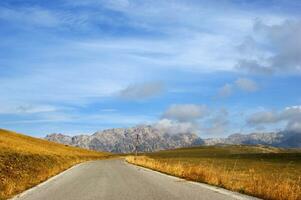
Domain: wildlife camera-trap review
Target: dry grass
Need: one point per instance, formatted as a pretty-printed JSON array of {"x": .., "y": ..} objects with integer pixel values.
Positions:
[
  {"x": 268, "y": 175},
  {"x": 27, "y": 161}
]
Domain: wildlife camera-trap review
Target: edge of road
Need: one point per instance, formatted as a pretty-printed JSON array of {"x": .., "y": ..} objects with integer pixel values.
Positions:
[
  {"x": 17, "y": 196},
  {"x": 236, "y": 195}
]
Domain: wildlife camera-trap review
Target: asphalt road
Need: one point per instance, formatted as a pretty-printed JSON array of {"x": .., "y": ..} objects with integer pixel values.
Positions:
[{"x": 115, "y": 179}]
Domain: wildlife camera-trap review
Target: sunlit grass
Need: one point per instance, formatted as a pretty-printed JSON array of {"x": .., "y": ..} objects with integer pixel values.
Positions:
[
  {"x": 27, "y": 161},
  {"x": 264, "y": 172}
]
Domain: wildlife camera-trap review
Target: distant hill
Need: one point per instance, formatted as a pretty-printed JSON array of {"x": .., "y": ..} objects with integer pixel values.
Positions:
[
  {"x": 291, "y": 140},
  {"x": 280, "y": 139},
  {"x": 26, "y": 161},
  {"x": 123, "y": 140}
]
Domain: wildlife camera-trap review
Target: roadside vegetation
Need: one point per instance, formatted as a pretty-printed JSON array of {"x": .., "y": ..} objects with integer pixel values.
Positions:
[
  {"x": 264, "y": 172},
  {"x": 26, "y": 161}
]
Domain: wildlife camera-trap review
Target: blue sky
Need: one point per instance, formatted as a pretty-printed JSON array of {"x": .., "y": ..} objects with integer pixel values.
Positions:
[{"x": 211, "y": 67}]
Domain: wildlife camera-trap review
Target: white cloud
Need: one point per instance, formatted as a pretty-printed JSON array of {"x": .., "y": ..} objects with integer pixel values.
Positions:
[
  {"x": 142, "y": 90},
  {"x": 244, "y": 84},
  {"x": 276, "y": 49},
  {"x": 225, "y": 90},
  {"x": 192, "y": 118},
  {"x": 28, "y": 109},
  {"x": 175, "y": 127},
  {"x": 253, "y": 67},
  {"x": 193, "y": 33},
  {"x": 185, "y": 112},
  {"x": 263, "y": 117},
  {"x": 247, "y": 85},
  {"x": 294, "y": 126},
  {"x": 83, "y": 119},
  {"x": 36, "y": 109},
  {"x": 181, "y": 118},
  {"x": 188, "y": 51},
  {"x": 290, "y": 115},
  {"x": 217, "y": 125}
]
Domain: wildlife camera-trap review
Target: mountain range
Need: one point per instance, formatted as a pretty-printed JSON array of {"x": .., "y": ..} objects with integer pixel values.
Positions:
[
  {"x": 124, "y": 140},
  {"x": 278, "y": 139}
]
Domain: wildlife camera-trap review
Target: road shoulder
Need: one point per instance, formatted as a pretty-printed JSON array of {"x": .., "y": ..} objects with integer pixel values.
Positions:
[{"x": 223, "y": 191}]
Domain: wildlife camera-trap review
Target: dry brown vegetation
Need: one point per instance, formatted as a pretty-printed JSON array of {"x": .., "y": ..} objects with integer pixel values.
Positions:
[
  {"x": 264, "y": 172},
  {"x": 26, "y": 161}
]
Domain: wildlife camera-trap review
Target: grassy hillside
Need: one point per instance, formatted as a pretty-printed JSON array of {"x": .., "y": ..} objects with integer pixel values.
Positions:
[
  {"x": 26, "y": 161},
  {"x": 265, "y": 172}
]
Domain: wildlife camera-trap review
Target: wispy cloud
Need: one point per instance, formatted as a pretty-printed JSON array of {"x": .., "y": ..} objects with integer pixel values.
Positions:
[
  {"x": 30, "y": 16},
  {"x": 291, "y": 116},
  {"x": 243, "y": 84},
  {"x": 217, "y": 124},
  {"x": 276, "y": 48},
  {"x": 27, "y": 109},
  {"x": 185, "y": 112},
  {"x": 175, "y": 127},
  {"x": 247, "y": 85},
  {"x": 142, "y": 91},
  {"x": 225, "y": 90}
]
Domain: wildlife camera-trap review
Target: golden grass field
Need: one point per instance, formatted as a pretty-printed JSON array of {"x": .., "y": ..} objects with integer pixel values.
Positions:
[
  {"x": 26, "y": 161},
  {"x": 265, "y": 172}
]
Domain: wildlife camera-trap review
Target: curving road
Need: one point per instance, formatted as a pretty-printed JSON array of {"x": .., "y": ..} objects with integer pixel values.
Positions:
[{"x": 115, "y": 179}]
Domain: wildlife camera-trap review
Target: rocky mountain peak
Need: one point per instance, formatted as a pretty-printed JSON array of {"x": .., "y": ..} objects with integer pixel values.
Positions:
[{"x": 124, "y": 140}]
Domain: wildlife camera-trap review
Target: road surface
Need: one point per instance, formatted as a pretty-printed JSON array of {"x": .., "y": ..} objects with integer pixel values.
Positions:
[{"x": 117, "y": 180}]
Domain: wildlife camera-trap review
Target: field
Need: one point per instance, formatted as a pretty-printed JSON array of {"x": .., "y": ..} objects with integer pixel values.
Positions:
[
  {"x": 27, "y": 161},
  {"x": 265, "y": 172}
]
